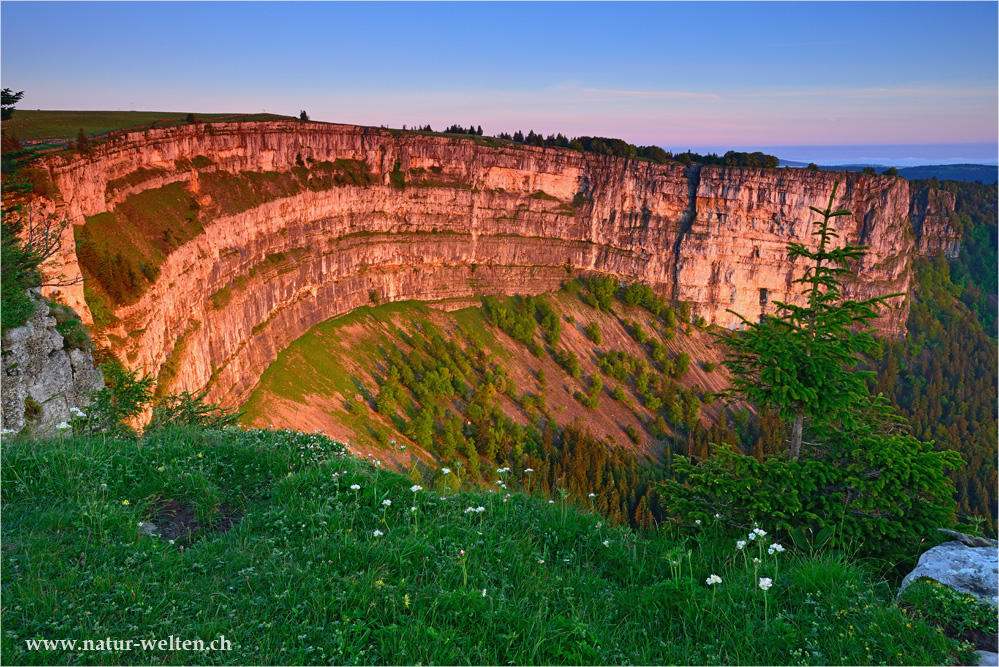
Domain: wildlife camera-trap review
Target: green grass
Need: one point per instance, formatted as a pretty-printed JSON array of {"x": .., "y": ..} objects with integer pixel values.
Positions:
[
  {"x": 40, "y": 125},
  {"x": 302, "y": 578},
  {"x": 140, "y": 175},
  {"x": 311, "y": 365},
  {"x": 542, "y": 195},
  {"x": 958, "y": 614},
  {"x": 123, "y": 250}
]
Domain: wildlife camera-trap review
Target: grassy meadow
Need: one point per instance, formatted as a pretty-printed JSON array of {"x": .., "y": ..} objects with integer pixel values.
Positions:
[
  {"x": 300, "y": 554},
  {"x": 45, "y": 125}
]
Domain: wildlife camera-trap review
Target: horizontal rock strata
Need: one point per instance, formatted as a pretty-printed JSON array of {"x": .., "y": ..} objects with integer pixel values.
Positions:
[{"x": 447, "y": 218}]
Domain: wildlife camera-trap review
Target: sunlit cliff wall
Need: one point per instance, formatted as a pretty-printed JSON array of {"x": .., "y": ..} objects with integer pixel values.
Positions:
[{"x": 474, "y": 217}]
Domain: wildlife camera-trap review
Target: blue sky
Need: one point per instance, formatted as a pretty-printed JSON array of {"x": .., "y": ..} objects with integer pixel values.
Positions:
[{"x": 674, "y": 74}]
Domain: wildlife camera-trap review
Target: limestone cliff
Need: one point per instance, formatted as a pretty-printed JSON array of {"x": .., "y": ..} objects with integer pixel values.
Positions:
[
  {"x": 931, "y": 212},
  {"x": 438, "y": 218},
  {"x": 43, "y": 375}
]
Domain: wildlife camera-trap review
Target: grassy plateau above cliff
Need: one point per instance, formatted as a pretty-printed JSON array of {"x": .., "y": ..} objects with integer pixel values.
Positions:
[{"x": 43, "y": 125}]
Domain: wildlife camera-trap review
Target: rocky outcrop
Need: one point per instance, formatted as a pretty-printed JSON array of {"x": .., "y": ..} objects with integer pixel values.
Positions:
[
  {"x": 43, "y": 377},
  {"x": 733, "y": 255},
  {"x": 989, "y": 658},
  {"x": 446, "y": 218},
  {"x": 970, "y": 570},
  {"x": 931, "y": 213}
]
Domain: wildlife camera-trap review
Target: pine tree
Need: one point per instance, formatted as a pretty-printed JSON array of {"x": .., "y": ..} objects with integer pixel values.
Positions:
[
  {"x": 643, "y": 517},
  {"x": 8, "y": 98},
  {"x": 799, "y": 361},
  {"x": 82, "y": 142}
]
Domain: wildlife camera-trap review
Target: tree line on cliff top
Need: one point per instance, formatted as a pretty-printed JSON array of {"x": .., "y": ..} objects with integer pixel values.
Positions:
[
  {"x": 619, "y": 148},
  {"x": 657, "y": 154}
]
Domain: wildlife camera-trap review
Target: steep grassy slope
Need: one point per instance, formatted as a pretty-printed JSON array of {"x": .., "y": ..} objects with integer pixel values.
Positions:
[
  {"x": 265, "y": 540},
  {"x": 328, "y": 379}
]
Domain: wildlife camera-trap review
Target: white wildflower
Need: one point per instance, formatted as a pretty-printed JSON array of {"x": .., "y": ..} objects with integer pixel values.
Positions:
[
  {"x": 378, "y": 533},
  {"x": 63, "y": 426},
  {"x": 445, "y": 471},
  {"x": 387, "y": 502},
  {"x": 766, "y": 583},
  {"x": 741, "y": 544},
  {"x": 415, "y": 488},
  {"x": 606, "y": 543},
  {"x": 713, "y": 579}
]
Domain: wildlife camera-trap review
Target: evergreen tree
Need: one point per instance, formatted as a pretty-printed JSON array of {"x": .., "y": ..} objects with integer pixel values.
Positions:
[
  {"x": 8, "y": 98},
  {"x": 800, "y": 360},
  {"x": 643, "y": 516},
  {"x": 82, "y": 142}
]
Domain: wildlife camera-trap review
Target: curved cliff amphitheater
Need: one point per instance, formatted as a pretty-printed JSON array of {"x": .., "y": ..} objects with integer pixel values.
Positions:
[{"x": 216, "y": 245}]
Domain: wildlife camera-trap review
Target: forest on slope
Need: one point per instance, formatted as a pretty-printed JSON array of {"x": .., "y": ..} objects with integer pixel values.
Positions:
[
  {"x": 592, "y": 388},
  {"x": 942, "y": 377}
]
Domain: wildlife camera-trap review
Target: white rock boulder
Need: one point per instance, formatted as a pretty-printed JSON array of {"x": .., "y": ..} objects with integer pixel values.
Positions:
[{"x": 970, "y": 570}]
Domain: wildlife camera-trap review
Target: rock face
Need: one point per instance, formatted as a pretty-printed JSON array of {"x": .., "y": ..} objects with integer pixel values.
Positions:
[
  {"x": 42, "y": 379},
  {"x": 987, "y": 657},
  {"x": 446, "y": 218},
  {"x": 931, "y": 212},
  {"x": 971, "y": 570}
]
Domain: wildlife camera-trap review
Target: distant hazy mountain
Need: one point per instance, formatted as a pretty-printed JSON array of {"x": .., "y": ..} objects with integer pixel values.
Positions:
[{"x": 956, "y": 172}]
